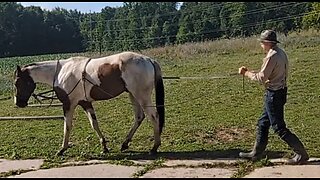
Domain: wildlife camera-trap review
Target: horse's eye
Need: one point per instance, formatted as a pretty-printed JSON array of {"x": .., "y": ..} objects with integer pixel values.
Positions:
[{"x": 16, "y": 83}]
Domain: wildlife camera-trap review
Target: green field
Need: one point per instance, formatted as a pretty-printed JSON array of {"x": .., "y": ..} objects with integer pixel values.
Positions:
[{"x": 204, "y": 118}]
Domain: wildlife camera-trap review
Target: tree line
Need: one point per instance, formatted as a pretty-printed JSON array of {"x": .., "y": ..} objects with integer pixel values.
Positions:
[{"x": 141, "y": 25}]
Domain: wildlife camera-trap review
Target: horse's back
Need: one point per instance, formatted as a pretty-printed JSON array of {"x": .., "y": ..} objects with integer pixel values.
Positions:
[
  {"x": 126, "y": 71},
  {"x": 129, "y": 63},
  {"x": 137, "y": 71},
  {"x": 112, "y": 75},
  {"x": 122, "y": 58}
]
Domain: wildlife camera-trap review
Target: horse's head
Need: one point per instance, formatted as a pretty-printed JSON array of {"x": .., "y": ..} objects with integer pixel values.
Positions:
[{"x": 24, "y": 86}]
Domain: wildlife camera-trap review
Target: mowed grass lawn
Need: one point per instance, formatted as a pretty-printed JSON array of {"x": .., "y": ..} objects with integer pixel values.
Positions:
[{"x": 208, "y": 116}]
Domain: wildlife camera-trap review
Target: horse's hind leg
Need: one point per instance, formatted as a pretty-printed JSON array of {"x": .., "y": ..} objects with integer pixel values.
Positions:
[
  {"x": 154, "y": 117},
  {"x": 88, "y": 108},
  {"x": 138, "y": 117},
  {"x": 144, "y": 99}
]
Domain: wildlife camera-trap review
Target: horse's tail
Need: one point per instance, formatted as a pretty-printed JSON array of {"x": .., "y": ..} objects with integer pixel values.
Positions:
[{"x": 159, "y": 92}]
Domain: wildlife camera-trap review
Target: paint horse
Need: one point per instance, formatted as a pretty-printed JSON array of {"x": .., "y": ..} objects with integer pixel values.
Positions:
[{"x": 81, "y": 80}]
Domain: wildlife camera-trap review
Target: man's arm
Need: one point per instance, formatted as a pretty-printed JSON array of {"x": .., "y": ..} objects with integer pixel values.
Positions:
[{"x": 263, "y": 75}]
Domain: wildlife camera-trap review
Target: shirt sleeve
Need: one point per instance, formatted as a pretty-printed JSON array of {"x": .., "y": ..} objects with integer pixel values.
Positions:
[{"x": 263, "y": 75}]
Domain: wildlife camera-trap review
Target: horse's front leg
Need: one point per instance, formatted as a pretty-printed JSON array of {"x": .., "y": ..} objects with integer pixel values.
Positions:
[
  {"x": 88, "y": 108},
  {"x": 68, "y": 116}
]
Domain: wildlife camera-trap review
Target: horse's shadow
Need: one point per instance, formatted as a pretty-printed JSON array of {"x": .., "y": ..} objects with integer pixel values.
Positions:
[{"x": 230, "y": 154}]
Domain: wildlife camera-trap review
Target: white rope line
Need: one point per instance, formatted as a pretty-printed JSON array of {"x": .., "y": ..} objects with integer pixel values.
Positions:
[{"x": 31, "y": 118}]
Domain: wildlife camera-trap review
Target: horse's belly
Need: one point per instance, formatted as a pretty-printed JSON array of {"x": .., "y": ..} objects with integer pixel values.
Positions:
[
  {"x": 104, "y": 93},
  {"x": 111, "y": 85}
]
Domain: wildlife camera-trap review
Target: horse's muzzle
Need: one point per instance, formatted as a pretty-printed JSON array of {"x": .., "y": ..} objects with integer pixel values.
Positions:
[{"x": 21, "y": 104}]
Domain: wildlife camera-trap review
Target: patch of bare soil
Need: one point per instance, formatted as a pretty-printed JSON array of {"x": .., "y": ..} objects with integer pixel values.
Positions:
[
  {"x": 231, "y": 134},
  {"x": 223, "y": 134}
]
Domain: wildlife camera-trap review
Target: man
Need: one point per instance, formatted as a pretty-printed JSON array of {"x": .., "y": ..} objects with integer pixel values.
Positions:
[{"x": 273, "y": 75}]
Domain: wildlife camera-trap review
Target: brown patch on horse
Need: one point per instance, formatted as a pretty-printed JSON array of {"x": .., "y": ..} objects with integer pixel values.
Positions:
[
  {"x": 87, "y": 105},
  {"x": 111, "y": 82},
  {"x": 63, "y": 97}
]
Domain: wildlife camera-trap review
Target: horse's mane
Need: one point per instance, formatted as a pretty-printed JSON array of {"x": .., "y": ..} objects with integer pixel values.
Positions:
[
  {"x": 31, "y": 64},
  {"x": 77, "y": 58},
  {"x": 35, "y": 64}
]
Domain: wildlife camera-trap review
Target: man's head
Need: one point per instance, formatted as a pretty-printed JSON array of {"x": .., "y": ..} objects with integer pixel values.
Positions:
[{"x": 268, "y": 39}]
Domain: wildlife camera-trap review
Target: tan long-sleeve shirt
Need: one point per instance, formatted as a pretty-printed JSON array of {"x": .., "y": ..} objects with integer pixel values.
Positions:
[{"x": 274, "y": 70}]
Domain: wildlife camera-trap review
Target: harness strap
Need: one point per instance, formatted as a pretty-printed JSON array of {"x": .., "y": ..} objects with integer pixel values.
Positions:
[
  {"x": 84, "y": 77},
  {"x": 54, "y": 79},
  {"x": 74, "y": 87}
]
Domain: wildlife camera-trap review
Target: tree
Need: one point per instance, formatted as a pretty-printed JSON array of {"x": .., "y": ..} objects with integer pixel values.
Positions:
[
  {"x": 155, "y": 33},
  {"x": 134, "y": 31},
  {"x": 31, "y": 36},
  {"x": 108, "y": 27},
  {"x": 167, "y": 33},
  {"x": 121, "y": 24},
  {"x": 85, "y": 32},
  {"x": 312, "y": 19},
  {"x": 232, "y": 16},
  {"x": 186, "y": 29},
  {"x": 139, "y": 25},
  {"x": 62, "y": 33},
  {"x": 207, "y": 25},
  {"x": 9, "y": 13}
]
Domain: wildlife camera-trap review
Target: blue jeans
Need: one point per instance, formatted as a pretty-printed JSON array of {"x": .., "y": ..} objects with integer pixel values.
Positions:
[{"x": 273, "y": 113}]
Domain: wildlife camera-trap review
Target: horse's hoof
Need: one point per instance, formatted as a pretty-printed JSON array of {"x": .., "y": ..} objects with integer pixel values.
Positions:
[
  {"x": 60, "y": 153},
  {"x": 105, "y": 151},
  {"x": 124, "y": 147},
  {"x": 153, "y": 152},
  {"x": 152, "y": 138},
  {"x": 70, "y": 144}
]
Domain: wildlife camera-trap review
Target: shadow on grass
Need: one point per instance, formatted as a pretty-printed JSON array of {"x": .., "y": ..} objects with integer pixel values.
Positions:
[{"x": 189, "y": 155}]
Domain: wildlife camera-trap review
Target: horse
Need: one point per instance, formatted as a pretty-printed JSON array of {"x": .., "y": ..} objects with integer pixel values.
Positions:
[{"x": 81, "y": 81}]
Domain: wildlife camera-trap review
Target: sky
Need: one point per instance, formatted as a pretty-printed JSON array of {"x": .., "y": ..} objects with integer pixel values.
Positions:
[{"x": 84, "y": 7}]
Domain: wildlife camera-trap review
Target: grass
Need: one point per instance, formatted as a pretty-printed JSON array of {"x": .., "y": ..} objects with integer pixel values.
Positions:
[
  {"x": 155, "y": 164},
  {"x": 213, "y": 118}
]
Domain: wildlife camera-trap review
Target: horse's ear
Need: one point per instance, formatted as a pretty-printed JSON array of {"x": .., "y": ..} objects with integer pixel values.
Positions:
[
  {"x": 18, "y": 71},
  {"x": 18, "y": 68}
]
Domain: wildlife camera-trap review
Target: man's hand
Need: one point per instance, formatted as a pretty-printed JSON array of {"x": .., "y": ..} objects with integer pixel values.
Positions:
[{"x": 243, "y": 70}]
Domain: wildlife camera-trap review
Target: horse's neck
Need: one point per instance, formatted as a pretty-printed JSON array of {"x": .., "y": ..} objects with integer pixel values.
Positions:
[{"x": 44, "y": 73}]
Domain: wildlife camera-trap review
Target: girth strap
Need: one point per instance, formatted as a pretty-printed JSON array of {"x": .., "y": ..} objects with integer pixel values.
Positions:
[{"x": 84, "y": 77}]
